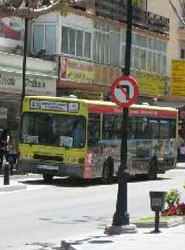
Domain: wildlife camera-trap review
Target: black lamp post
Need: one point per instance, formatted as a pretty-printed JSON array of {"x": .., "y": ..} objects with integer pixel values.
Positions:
[
  {"x": 24, "y": 67},
  {"x": 121, "y": 216}
]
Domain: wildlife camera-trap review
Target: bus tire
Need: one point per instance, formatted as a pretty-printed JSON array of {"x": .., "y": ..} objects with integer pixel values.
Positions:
[
  {"x": 48, "y": 178},
  {"x": 152, "y": 171},
  {"x": 108, "y": 170}
]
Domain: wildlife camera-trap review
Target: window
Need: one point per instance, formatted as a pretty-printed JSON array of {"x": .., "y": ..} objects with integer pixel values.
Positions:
[
  {"x": 108, "y": 127},
  {"x": 164, "y": 64},
  {"x": 143, "y": 60},
  {"x": 153, "y": 128},
  {"x": 158, "y": 66},
  {"x": 79, "y": 43},
  {"x": 38, "y": 38},
  {"x": 164, "y": 129},
  {"x": 65, "y": 40},
  {"x": 101, "y": 47},
  {"x": 76, "y": 42},
  {"x": 44, "y": 38},
  {"x": 172, "y": 129},
  {"x": 112, "y": 126},
  {"x": 149, "y": 62},
  {"x": 147, "y": 54},
  {"x": 132, "y": 127},
  {"x": 50, "y": 36},
  {"x": 154, "y": 62},
  {"x": 114, "y": 48},
  {"x": 72, "y": 34},
  {"x": 141, "y": 129},
  {"x": 61, "y": 130},
  {"x": 93, "y": 129},
  {"x": 87, "y": 46},
  {"x": 136, "y": 58}
]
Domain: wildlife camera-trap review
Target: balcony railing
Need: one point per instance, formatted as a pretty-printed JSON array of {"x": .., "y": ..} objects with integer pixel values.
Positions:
[
  {"x": 147, "y": 20},
  {"x": 118, "y": 11}
]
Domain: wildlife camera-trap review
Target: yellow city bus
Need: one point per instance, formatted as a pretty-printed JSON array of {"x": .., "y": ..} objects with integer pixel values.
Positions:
[{"x": 81, "y": 138}]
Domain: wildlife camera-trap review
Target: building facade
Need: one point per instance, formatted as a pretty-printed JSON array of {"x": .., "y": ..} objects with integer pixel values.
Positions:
[{"x": 90, "y": 43}]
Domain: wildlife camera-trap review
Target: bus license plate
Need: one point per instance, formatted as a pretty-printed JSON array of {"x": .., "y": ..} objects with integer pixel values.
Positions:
[{"x": 47, "y": 167}]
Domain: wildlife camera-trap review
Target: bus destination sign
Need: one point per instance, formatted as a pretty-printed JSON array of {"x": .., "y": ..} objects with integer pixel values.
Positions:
[{"x": 54, "y": 105}]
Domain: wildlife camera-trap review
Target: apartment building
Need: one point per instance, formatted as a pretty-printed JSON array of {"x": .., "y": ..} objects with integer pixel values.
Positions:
[
  {"x": 174, "y": 10},
  {"x": 90, "y": 44}
]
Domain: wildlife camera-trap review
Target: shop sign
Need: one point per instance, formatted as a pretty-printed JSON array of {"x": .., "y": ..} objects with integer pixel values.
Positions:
[
  {"x": 3, "y": 113},
  {"x": 150, "y": 84},
  {"x": 105, "y": 75},
  {"x": 77, "y": 71},
  {"x": 178, "y": 78},
  {"x": 84, "y": 94},
  {"x": 12, "y": 28},
  {"x": 12, "y": 84}
]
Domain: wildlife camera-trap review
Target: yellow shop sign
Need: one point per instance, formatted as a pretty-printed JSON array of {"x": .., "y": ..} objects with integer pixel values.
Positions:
[{"x": 77, "y": 70}]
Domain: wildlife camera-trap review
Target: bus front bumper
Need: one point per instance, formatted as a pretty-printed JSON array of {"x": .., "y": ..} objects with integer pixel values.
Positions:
[{"x": 51, "y": 168}]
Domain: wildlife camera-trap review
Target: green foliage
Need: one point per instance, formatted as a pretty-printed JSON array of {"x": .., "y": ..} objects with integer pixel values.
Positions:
[
  {"x": 137, "y": 2},
  {"x": 172, "y": 197},
  {"x": 64, "y": 10}
]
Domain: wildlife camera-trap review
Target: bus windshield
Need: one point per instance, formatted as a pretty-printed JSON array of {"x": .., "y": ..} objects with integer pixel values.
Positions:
[{"x": 54, "y": 129}]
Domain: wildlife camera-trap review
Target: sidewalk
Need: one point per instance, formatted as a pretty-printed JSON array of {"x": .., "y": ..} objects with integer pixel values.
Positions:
[
  {"x": 168, "y": 239},
  {"x": 14, "y": 182}
]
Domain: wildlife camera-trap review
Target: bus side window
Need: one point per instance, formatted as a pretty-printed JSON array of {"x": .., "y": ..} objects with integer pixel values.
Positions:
[
  {"x": 164, "y": 132},
  {"x": 141, "y": 128},
  {"x": 109, "y": 127},
  {"x": 172, "y": 129},
  {"x": 93, "y": 129},
  {"x": 153, "y": 128},
  {"x": 117, "y": 126},
  {"x": 132, "y": 121}
]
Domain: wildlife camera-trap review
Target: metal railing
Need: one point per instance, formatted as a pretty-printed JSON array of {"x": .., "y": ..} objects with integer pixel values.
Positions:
[{"x": 118, "y": 11}]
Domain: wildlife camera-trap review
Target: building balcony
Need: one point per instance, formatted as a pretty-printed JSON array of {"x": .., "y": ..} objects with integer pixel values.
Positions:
[{"x": 118, "y": 12}]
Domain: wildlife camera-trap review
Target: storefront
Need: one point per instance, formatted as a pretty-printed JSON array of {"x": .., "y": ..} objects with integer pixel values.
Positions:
[
  {"x": 11, "y": 95},
  {"x": 85, "y": 79}
]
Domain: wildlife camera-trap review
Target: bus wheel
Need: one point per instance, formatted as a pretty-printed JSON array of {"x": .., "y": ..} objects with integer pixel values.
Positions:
[
  {"x": 152, "y": 172},
  {"x": 107, "y": 174},
  {"x": 48, "y": 178}
]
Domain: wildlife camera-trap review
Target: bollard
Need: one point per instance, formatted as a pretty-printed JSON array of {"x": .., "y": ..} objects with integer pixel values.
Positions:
[{"x": 7, "y": 174}]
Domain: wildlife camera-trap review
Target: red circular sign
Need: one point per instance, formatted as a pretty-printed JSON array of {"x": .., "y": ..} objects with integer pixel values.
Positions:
[{"x": 125, "y": 91}]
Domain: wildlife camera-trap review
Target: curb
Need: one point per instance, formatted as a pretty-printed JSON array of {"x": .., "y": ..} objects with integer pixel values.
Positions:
[{"x": 163, "y": 224}]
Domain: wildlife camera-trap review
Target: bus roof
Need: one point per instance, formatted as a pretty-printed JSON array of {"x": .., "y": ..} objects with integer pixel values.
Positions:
[{"x": 103, "y": 103}]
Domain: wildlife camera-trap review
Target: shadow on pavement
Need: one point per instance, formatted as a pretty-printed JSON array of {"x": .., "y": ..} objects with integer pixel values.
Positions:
[{"x": 77, "y": 182}]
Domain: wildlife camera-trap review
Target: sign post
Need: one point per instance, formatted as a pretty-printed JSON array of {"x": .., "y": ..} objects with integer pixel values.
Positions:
[{"x": 124, "y": 93}]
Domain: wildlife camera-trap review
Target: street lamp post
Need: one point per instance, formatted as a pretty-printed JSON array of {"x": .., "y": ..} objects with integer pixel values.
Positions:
[
  {"x": 121, "y": 216},
  {"x": 24, "y": 67},
  {"x": 120, "y": 222}
]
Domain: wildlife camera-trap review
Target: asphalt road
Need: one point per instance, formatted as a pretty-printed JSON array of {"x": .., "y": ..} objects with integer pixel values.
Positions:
[{"x": 49, "y": 213}]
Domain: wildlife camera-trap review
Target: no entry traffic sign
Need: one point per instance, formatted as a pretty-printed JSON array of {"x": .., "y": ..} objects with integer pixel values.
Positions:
[{"x": 125, "y": 91}]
